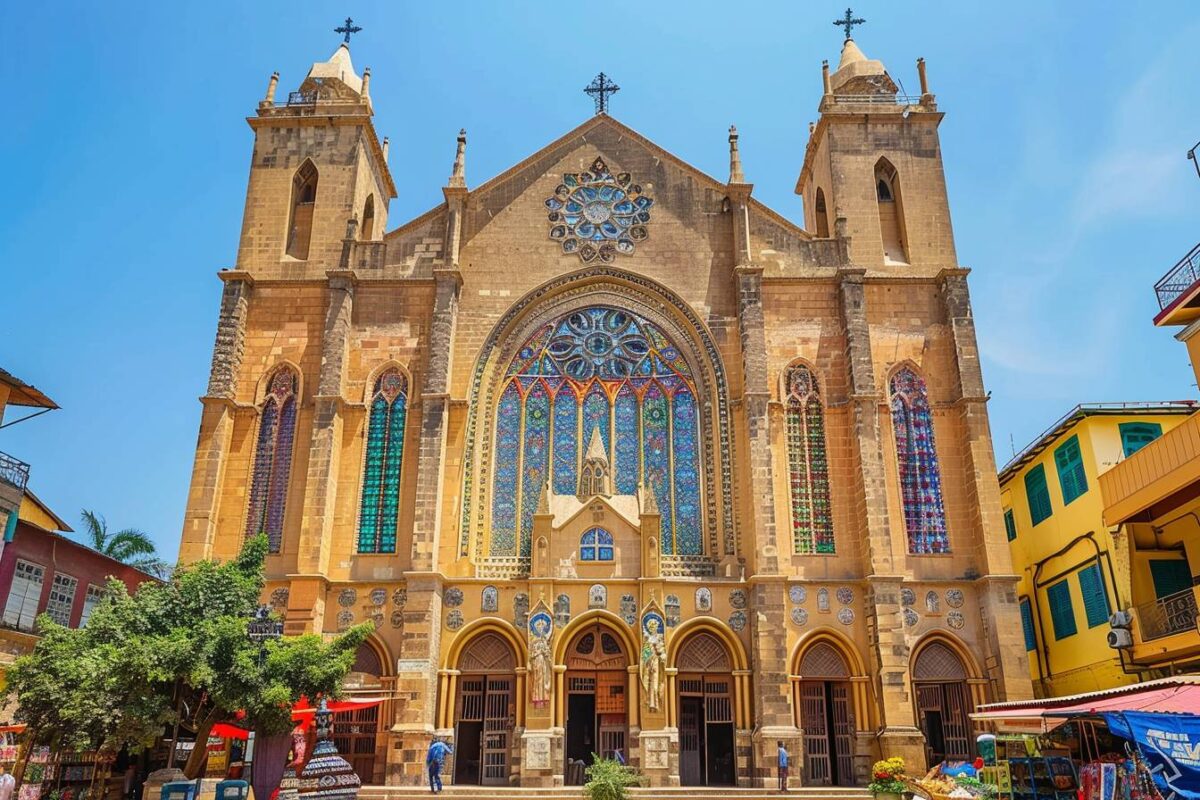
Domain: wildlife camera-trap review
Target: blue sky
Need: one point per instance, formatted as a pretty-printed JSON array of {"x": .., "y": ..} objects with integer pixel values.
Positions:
[{"x": 127, "y": 155}]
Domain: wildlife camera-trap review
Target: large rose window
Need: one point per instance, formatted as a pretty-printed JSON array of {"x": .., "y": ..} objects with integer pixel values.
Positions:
[{"x": 596, "y": 215}]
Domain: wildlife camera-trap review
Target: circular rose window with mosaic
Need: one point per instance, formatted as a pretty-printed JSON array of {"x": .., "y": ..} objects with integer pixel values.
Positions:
[{"x": 596, "y": 215}]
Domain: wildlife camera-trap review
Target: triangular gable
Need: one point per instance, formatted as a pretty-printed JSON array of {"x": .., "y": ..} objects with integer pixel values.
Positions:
[{"x": 566, "y": 507}]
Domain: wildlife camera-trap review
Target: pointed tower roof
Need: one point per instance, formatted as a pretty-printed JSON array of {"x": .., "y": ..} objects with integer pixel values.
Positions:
[
  {"x": 857, "y": 74},
  {"x": 338, "y": 67},
  {"x": 595, "y": 451},
  {"x": 649, "y": 504},
  {"x": 543, "y": 506}
]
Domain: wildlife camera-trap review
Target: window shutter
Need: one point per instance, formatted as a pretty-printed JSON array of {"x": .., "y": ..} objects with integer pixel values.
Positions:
[
  {"x": 1170, "y": 576},
  {"x": 1071, "y": 475},
  {"x": 1027, "y": 624},
  {"x": 1062, "y": 613},
  {"x": 1037, "y": 494},
  {"x": 1095, "y": 598},
  {"x": 20, "y": 610},
  {"x": 1010, "y": 524},
  {"x": 1136, "y": 435}
]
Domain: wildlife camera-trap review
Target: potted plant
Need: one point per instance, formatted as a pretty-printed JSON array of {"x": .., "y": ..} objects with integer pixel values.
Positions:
[
  {"x": 609, "y": 779},
  {"x": 887, "y": 779}
]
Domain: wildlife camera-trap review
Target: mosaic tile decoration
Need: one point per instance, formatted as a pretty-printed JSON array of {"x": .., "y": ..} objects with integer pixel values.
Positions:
[
  {"x": 797, "y": 594},
  {"x": 279, "y": 598},
  {"x": 933, "y": 603},
  {"x": 629, "y": 609},
  {"x": 954, "y": 598},
  {"x": 378, "y": 596},
  {"x": 344, "y": 620},
  {"x": 703, "y": 599},
  {"x": 737, "y": 598},
  {"x": 382, "y": 465},
  {"x": 453, "y": 597},
  {"x": 823, "y": 599},
  {"x": 273, "y": 459},
  {"x": 397, "y": 619},
  {"x": 596, "y": 216},
  {"x": 800, "y": 616},
  {"x": 911, "y": 617},
  {"x": 908, "y": 597},
  {"x": 808, "y": 465},
  {"x": 489, "y": 600},
  {"x": 454, "y": 620},
  {"x": 400, "y": 598},
  {"x": 347, "y": 598},
  {"x": 846, "y": 615},
  {"x": 521, "y": 610},
  {"x": 737, "y": 621},
  {"x": 956, "y": 620},
  {"x": 562, "y": 611},
  {"x": 845, "y": 595},
  {"x": 920, "y": 475},
  {"x": 671, "y": 610}
]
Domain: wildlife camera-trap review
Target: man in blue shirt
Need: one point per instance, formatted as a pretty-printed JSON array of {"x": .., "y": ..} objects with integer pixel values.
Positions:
[
  {"x": 783, "y": 766},
  {"x": 434, "y": 760}
]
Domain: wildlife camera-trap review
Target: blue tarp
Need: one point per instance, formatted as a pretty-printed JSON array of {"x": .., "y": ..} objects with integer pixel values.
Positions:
[{"x": 1170, "y": 744}]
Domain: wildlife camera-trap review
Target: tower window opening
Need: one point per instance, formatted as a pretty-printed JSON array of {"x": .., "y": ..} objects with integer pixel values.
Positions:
[
  {"x": 891, "y": 213},
  {"x": 821, "y": 215},
  {"x": 367, "y": 229},
  {"x": 304, "y": 199}
]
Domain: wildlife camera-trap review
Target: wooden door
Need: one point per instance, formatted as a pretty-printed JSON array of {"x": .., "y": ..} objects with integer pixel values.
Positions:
[
  {"x": 355, "y": 733},
  {"x": 691, "y": 772},
  {"x": 843, "y": 732},
  {"x": 956, "y": 724},
  {"x": 497, "y": 728},
  {"x": 929, "y": 717},
  {"x": 816, "y": 733}
]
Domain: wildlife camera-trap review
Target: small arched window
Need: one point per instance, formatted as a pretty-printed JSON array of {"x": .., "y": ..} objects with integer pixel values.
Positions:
[
  {"x": 383, "y": 464},
  {"x": 920, "y": 475},
  {"x": 304, "y": 200},
  {"x": 596, "y": 545},
  {"x": 273, "y": 459},
  {"x": 821, "y": 214},
  {"x": 367, "y": 231},
  {"x": 891, "y": 213},
  {"x": 808, "y": 465},
  {"x": 883, "y": 191}
]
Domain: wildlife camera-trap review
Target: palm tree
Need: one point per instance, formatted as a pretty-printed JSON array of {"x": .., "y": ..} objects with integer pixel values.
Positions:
[{"x": 129, "y": 546}]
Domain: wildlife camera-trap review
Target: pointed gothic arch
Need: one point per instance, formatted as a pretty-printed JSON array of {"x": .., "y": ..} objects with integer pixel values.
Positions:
[
  {"x": 891, "y": 213},
  {"x": 946, "y": 685},
  {"x": 821, "y": 214},
  {"x": 831, "y": 703},
  {"x": 917, "y": 464},
  {"x": 274, "y": 437},
  {"x": 300, "y": 215},
  {"x": 811, "y": 513},
  {"x": 366, "y": 231},
  {"x": 387, "y": 403}
]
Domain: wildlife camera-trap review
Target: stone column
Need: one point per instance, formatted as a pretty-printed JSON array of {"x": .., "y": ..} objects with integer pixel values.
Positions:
[
  {"x": 216, "y": 420},
  {"x": 416, "y": 703}
]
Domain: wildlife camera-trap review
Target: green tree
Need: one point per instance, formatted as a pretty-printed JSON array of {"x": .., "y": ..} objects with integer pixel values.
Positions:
[
  {"x": 129, "y": 546},
  {"x": 170, "y": 653}
]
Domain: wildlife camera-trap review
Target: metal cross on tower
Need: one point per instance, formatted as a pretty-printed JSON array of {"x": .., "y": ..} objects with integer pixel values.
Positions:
[
  {"x": 349, "y": 27},
  {"x": 600, "y": 88},
  {"x": 848, "y": 22}
]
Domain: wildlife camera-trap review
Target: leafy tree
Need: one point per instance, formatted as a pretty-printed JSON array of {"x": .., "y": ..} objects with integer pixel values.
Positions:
[
  {"x": 129, "y": 546},
  {"x": 170, "y": 653}
]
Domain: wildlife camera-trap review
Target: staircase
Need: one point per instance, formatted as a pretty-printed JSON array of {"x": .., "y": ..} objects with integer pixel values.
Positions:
[{"x": 576, "y": 793}]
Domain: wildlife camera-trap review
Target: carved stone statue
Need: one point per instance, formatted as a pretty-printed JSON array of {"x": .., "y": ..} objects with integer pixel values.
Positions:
[
  {"x": 654, "y": 663},
  {"x": 540, "y": 670}
]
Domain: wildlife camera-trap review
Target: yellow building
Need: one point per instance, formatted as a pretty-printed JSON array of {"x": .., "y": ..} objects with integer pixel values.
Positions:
[
  {"x": 1152, "y": 504},
  {"x": 1070, "y": 578}
]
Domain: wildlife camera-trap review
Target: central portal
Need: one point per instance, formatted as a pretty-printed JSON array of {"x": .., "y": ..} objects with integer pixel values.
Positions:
[{"x": 597, "y": 717}]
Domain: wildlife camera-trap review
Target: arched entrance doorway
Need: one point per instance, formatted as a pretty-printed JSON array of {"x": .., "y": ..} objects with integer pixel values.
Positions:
[
  {"x": 706, "y": 712},
  {"x": 356, "y": 732},
  {"x": 826, "y": 716},
  {"x": 484, "y": 711},
  {"x": 596, "y": 713},
  {"x": 940, "y": 687}
]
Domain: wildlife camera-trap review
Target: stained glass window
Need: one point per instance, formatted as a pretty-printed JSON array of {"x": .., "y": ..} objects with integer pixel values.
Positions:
[
  {"x": 920, "y": 476},
  {"x": 808, "y": 466},
  {"x": 607, "y": 370},
  {"x": 383, "y": 464},
  {"x": 597, "y": 215},
  {"x": 273, "y": 459},
  {"x": 596, "y": 545}
]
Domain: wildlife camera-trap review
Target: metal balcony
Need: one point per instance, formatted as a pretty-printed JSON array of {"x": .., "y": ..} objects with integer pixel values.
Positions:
[
  {"x": 1182, "y": 277},
  {"x": 13, "y": 472},
  {"x": 1167, "y": 616}
]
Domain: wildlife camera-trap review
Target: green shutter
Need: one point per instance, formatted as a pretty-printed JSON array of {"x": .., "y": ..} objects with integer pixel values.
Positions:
[
  {"x": 1027, "y": 624},
  {"x": 1062, "y": 613},
  {"x": 1010, "y": 524},
  {"x": 1071, "y": 475},
  {"x": 1170, "y": 576},
  {"x": 1037, "y": 494},
  {"x": 1095, "y": 598},
  {"x": 1136, "y": 435}
]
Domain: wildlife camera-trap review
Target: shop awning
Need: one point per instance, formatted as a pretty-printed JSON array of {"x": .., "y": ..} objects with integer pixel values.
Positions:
[
  {"x": 1180, "y": 695},
  {"x": 302, "y": 712}
]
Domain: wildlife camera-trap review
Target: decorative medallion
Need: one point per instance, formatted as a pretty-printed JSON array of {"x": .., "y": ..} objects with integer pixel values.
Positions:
[
  {"x": 671, "y": 607},
  {"x": 823, "y": 600},
  {"x": 954, "y": 598},
  {"x": 652, "y": 623},
  {"x": 344, "y": 620},
  {"x": 703, "y": 599},
  {"x": 541, "y": 624},
  {"x": 737, "y": 621},
  {"x": 489, "y": 601},
  {"x": 596, "y": 215},
  {"x": 800, "y": 616},
  {"x": 562, "y": 610},
  {"x": 453, "y": 598},
  {"x": 737, "y": 598},
  {"x": 629, "y": 609},
  {"x": 798, "y": 594},
  {"x": 908, "y": 597},
  {"x": 521, "y": 610},
  {"x": 454, "y": 620},
  {"x": 279, "y": 598},
  {"x": 956, "y": 620},
  {"x": 846, "y": 615},
  {"x": 400, "y": 598},
  {"x": 377, "y": 618},
  {"x": 910, "y": 617},
  {"x": 397, "y": 619},
  {"x": 346, "y": 598},
  {"x": 845, "y": 595},
  {"x": 378, "y": 597},
  {"x": 933, "y": 604},
  {"x": 597, "y": 596}
]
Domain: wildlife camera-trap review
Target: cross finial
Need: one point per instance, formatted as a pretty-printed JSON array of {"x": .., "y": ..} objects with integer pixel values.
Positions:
[
  {"x": 848, "y": 22},
  {"x": 348, "y": 28},
  {"x": 600, "y": 88}
]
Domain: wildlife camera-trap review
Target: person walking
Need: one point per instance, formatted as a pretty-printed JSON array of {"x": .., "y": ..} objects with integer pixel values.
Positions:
[
  {"x": 783, "y": 766},
  {"x": 435, "y": 759}
]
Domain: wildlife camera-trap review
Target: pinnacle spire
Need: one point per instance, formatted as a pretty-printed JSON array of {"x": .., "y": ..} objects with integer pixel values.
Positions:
[
  {"x": 649, "y": 504},
  {"x": 595, "y": 451},
  {"x": 735, "y": 159},
  {"x": 458, "y": 176},
  {"x": 543, "y": 506}
]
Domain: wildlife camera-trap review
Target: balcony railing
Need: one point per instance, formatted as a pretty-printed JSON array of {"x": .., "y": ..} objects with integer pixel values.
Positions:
[
  {"x": 13, "y": 472},
  {"x": 1166, "y": 616},
  {"x": 1181, "y": 278}
]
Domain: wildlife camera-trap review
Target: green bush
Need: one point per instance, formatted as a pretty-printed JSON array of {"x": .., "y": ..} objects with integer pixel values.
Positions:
[{"x": 609, "y": 780}]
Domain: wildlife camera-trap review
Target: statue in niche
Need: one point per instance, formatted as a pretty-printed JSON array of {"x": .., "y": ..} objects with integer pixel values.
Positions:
[
  {"x": 566, "y": 567},
  {"x": 933, "y": 603},
  {"x": 654, "y": 660},
  {"x": 541, "y": 560},
  {"x": 490, "y": 601},
  {"x": 540, "y": 664}
]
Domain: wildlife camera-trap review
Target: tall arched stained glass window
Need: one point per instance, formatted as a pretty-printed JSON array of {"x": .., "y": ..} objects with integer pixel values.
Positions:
[
  {"x": 808, "y": 466},
  {"x": 920, "y": 476},
  {"x": 608, "y": 370},
  {"x": 383, "y": 464},
  {"x": 273, "y": 459}
]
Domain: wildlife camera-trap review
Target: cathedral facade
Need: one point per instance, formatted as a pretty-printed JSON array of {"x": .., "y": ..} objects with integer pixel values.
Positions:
[{"x": 614, "y": 456}]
